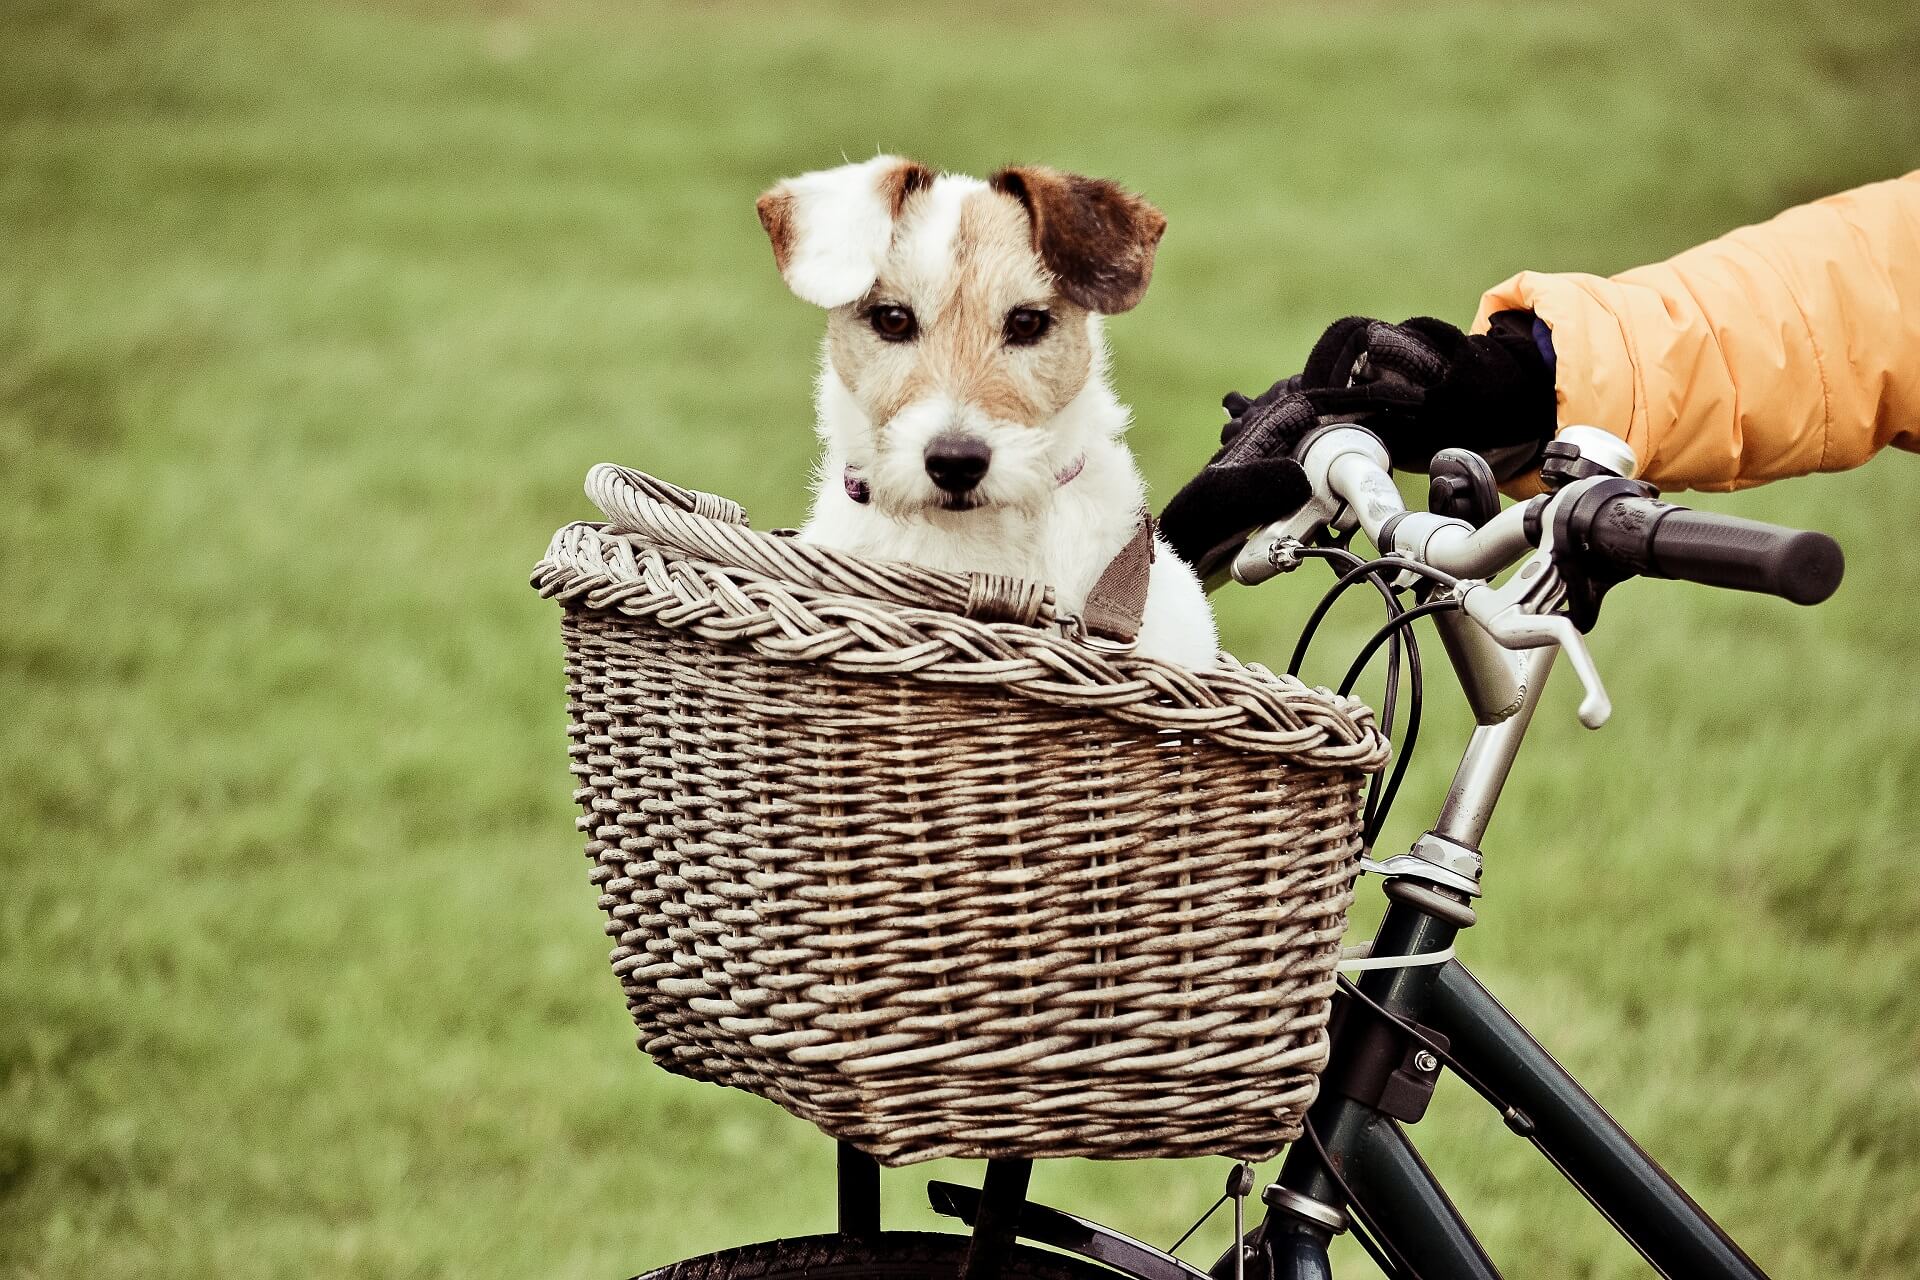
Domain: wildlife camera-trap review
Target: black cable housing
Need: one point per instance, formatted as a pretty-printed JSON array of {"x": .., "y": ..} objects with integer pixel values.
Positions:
[
  {"x": 1359, "y": 570},
  {"x": 1383, "y": 790},
  {"x": 1375, "y": 816},
  {"x": 1403, "y": 619},
  {"x": 1372, "y": 569}
]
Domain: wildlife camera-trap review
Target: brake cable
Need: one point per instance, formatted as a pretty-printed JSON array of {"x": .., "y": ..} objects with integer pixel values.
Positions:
[
  {"x": 1361, "y": 569},
  {"x": 1404, "y": 618},
  {"x": 1339, "y": 555},
  {"x": 1380, "y": 792},
  {"x": 1380, "y": 801}
]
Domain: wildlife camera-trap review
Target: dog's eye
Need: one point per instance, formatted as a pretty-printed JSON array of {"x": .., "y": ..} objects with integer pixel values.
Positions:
[
  {"x": 895, "y": 324},
  {"x": 1027, "y": 325}
]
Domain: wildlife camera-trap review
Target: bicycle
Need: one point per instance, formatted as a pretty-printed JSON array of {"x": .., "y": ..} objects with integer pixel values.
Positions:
[{"x": 1415, "y": 1012}]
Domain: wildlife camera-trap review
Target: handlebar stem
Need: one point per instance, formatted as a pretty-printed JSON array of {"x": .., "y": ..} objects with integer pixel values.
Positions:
[
  {"x": 1461, "y": 549},
  {"x": 1489, "y": 673},
  {"x": 1489, "y": 757}
]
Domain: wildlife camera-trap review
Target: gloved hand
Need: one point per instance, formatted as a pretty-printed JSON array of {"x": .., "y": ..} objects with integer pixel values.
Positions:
[
  {"x": 1252, "y": 480},
  {"x": 1422, "y": 386}
]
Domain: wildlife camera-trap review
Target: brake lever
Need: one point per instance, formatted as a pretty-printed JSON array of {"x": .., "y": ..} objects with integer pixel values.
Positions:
[{"x": 1522, "y": 614}]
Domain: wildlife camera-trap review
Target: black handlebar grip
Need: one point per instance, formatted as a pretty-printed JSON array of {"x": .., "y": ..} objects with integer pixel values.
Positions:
[{"x": 1660, "y": 540}]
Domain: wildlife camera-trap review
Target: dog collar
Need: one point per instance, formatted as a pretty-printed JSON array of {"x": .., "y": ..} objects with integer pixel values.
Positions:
[{"x": 858, "y": 490}]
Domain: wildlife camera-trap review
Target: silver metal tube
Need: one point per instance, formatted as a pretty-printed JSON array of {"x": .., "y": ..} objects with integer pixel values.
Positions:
[
  {"x": 1489, "y": 673},
  {"x": 1240, "y": 1237},
  {"x": 1482, "y": 552},
  {"x": 1368, "y": 489},
  {"x": 1489, "y": 758}
]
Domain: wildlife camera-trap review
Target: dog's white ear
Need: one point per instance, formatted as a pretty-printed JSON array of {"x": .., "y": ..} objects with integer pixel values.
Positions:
[
  {"x": 831, "y": 229},
  {"x": 1097, "y": 238}
]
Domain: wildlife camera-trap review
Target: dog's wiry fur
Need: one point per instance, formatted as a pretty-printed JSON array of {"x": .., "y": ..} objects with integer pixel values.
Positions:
[{"x": 960, "y": 254}]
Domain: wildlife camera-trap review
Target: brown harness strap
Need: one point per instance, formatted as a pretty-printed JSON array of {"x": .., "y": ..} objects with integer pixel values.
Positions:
[{"x": 1119, "y": 599}]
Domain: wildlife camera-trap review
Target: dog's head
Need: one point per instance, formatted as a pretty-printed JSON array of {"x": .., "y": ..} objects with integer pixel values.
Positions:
[{"x": 962, "y": 318}]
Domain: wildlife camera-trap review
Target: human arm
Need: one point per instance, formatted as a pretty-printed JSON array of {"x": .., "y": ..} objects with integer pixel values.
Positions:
[{"x": 1776, "y": 350}]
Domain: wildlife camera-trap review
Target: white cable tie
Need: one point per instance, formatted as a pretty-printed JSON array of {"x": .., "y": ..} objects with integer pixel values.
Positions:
[{"x": 1362, "y": 962}]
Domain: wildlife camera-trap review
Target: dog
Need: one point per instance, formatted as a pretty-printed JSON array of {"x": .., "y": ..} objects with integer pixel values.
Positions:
[{"x": 963, "y": 405}]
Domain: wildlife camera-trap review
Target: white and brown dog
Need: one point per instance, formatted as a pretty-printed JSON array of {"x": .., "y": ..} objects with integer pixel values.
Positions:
[{"x": 963, "y": 400}]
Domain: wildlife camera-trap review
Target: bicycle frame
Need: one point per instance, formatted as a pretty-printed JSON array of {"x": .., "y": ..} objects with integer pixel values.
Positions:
[{"x": 1372, "y": 1153}]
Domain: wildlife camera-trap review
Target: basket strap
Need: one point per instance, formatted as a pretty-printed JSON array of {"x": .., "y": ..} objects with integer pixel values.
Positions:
[{"x": 1118, "y": 600}]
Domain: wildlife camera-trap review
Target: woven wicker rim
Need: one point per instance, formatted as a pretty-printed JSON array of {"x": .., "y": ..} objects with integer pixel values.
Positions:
[
  {"x": 712, "y": 528},
  {"x": 687, "y": 560}
]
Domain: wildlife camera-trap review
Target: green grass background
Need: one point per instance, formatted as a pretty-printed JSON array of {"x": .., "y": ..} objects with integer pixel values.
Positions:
[{"x": 313, "y": 316}]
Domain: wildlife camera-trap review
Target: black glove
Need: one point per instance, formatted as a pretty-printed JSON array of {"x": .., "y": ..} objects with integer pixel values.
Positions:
[
  {"x": 1421, "y": 386},
  {"x": 1424, "y": 386},
  {"x": 1252, "y": 480}
]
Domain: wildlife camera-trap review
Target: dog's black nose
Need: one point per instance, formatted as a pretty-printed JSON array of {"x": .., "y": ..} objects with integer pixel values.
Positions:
[{"x": 956, "y": 463}]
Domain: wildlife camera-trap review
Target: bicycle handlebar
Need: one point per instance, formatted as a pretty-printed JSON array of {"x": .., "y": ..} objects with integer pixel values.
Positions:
[
  {"x": 1593, "y": 531},
  {"x": 1639, "y": 535},
  {"x": 1611, "y": 525}
]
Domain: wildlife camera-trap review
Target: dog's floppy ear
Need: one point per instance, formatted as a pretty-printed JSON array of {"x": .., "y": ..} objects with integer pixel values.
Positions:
[
  {"x": 1096, "y": 238},
  {"x": 831, "y": 229}
]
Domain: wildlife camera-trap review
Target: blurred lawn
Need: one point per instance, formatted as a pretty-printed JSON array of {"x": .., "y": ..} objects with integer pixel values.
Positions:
[{"x": 312, "y": 318}]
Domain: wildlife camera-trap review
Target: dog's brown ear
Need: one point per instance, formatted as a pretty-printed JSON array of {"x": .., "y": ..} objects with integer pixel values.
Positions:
[
  {"x": 831, "y": 229},
  {"x": 1097, "y": 238}
]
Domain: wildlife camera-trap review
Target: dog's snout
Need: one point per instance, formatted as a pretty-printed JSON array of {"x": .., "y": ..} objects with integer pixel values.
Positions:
[{"x": 956, "y": 463}]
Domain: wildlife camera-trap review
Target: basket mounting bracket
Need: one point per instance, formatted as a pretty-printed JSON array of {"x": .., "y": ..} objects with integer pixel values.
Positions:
[
  {"x": 996, "y": 1218},
  {"x": 858, "y": 1178},
  {"x": 1064, "y": 1231},
  {"x": 1379, "y": 1064}
]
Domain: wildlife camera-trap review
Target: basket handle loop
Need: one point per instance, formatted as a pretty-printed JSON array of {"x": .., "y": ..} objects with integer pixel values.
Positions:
[
  {"x": 713, "y": 528},
  {"x": 611, "y": 486}
]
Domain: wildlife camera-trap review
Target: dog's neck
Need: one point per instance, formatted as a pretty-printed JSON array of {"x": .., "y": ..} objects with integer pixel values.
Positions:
[{"x": 1065, "y": 542}]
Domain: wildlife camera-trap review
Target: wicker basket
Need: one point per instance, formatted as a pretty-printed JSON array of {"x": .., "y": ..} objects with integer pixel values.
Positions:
[{"x": 945, "y": 885}]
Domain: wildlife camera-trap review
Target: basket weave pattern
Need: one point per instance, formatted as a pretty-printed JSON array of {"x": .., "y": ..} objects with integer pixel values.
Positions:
[{"x": 944, "y": 886}]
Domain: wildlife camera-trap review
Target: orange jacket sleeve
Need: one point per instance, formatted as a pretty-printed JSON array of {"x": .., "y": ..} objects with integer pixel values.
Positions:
[{"x": 1774, "y": 351}]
